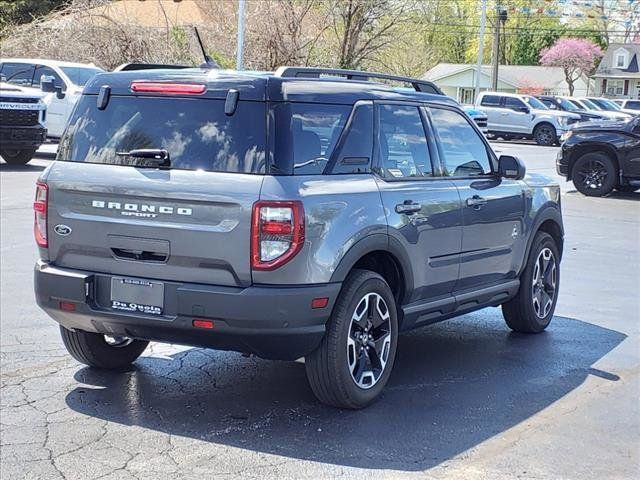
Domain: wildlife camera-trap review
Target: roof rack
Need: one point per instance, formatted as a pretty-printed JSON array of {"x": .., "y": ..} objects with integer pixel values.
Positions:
[{"x": 424, "y": 86}]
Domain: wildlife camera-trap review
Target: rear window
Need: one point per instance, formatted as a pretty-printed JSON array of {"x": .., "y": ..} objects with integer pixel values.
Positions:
[
  {"x": 490, "y": 101},
  {"x": 195, "y": 132}
]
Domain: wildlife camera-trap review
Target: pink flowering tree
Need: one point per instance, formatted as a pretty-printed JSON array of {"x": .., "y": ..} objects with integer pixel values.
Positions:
[{"x": 576, "y": 56}]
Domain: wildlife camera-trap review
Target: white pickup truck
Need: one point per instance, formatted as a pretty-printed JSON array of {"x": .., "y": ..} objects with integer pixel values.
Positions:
[{"x": 22, "y": 117}]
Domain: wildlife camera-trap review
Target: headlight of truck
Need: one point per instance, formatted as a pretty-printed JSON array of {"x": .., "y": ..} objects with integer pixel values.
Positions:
[
  {"x": 563, "y": 121},
  {"x": 566, "y": 135}
]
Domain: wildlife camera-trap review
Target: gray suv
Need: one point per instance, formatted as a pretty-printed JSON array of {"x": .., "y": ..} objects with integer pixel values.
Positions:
[{"x": 306, "y": 213}]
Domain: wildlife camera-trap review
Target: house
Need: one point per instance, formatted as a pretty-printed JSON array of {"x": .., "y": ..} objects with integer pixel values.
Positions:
[
  {"x": 618, "y": 75},
  {"x": 458, "y": 80}
]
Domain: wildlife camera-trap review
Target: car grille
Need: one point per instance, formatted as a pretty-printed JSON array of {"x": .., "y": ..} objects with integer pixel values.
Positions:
[
  {"x": 23, "y": 118},
  {"x": 572, "y": 121},
  {"x": 18, "y": 100},
  {"x": 481, "y": 122}
]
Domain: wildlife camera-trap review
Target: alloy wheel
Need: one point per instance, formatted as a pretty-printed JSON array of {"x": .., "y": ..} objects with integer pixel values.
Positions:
[
  {"x": 593, "y": 174},
  {"x": 543, "y": 284},
  {"x": 369, "y": 340}
]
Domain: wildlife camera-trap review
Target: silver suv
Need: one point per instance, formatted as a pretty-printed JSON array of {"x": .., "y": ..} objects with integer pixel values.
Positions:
[
  {"x": 307, "y": 213},
  {"x": 524, "y": 116}
]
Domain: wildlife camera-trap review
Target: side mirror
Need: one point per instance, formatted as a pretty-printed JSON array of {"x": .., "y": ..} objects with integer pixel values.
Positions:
[
  {"x": 511, "y": 167},
  {"x": 59, "y": 93},
  {"x": 47, "y": 84}
]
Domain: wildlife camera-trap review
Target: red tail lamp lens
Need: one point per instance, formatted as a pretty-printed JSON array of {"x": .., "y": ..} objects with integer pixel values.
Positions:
[
  {"x": 168, "y": 88},
  {"x": 200, "y": 323}
]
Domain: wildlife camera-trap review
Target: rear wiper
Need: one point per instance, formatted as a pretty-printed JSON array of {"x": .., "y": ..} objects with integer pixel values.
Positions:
[{"x": 157, "y": 157}]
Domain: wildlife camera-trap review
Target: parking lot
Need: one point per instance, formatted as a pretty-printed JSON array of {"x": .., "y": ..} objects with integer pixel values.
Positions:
[{"x": 467, "y": 399}]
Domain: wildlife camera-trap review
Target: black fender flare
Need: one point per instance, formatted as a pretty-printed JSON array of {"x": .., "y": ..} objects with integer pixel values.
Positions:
[
  {"x": 373, "y": 243},
  {"x": 550, "y": 212}
]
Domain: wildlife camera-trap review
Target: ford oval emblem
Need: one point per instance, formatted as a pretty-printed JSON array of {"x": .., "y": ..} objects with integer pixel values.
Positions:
[{"x": 62, "y": 230}]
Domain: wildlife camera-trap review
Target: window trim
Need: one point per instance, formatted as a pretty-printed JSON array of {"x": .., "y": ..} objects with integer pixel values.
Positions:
[
  {"x": 493, "y": 160},
  {"x": 434, "y": 158}
]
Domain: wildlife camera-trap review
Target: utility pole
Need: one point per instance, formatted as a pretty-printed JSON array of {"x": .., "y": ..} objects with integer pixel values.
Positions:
[
  {"x": 483, "y": 20},
  {"x": 501, "y": 17},
  {"x": 240, "y": 46}
]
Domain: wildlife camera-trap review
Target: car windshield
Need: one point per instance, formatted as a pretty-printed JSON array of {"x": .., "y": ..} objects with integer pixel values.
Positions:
[
  {"x": 568, "y": 106},
  {"x": 535, "y": 103},
  {"x": 80, "y": 75},
  {"x": 590, "y": 105}
]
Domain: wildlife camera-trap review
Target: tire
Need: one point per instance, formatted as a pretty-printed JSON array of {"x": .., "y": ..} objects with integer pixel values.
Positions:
[
  {"x": 545, "y": 134},
  {"x": 594, "y": 174},
  {"x": 17, "y": 157},
  {"x": 520, "y": 312},
  {"x": 93, "y": 350},
  {"x": 340, "y": 375},
  {"x": 627, "y": 188}
]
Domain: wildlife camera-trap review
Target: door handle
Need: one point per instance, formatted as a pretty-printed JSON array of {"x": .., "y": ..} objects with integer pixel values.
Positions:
[
  {"x": 476, "y": 202},
  {"x": 408, "y": 207}
]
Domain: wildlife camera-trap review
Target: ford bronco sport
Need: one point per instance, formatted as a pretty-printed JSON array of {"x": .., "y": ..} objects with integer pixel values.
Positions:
[{"x": 307, "y": 213}]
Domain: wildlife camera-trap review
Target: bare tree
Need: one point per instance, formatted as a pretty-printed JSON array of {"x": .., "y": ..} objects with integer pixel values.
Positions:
[{"x": 364, "y": 27}]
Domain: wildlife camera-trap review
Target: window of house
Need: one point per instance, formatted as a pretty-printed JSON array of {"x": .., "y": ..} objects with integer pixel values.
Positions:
[
  {"x": 620, "y": 60},
  {"x": 615, "y": 87}
]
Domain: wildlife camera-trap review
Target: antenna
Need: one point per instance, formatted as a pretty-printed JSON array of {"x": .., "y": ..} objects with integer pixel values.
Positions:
[{"x": 208, "y": 61}]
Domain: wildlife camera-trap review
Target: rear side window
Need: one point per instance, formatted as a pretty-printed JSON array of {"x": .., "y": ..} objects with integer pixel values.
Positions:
[
  {"x": 633, "y": 105},
  {"x": 490, "y": 101},
  {"x": 306, "y": 135},
  {"x": 354, "y": 155},
  {"x": 195, "y": 132},
  {"x": 17, "y": 73},
  {"x": 402, "y": 143}
]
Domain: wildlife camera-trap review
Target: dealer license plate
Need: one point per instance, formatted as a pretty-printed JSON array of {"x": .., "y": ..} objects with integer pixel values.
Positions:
[{"x": 137, "y": 296}]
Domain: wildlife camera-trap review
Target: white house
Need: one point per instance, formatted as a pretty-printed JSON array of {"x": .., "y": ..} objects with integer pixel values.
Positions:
[
  {"x": 458, "y": 80},
  {"x": 618, "y": 75}
]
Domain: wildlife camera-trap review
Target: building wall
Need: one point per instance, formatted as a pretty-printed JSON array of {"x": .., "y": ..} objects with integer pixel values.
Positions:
[{"x": 618, "y": 87}]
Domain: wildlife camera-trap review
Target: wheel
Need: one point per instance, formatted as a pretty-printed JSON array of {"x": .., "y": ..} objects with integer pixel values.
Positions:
[
  {"x": 531, "y": 310},
  {"x": 545, "y": 134},
  {"x": 102, "y": 351},
  {"x": 627, "y": 188},
  {"x": 17, "y": 157},
  {"x": 353, "y": 363},
  {"x": 594, "y": 174}
]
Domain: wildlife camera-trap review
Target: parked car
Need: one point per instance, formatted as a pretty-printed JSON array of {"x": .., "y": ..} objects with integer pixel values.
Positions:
[
  {"x": 565, "y": 105},
  {"x": 589, "y": 107},
  {"x": 67, "y": 80},
  {"x": 629, "y": 104},
  {"x": 604, "y": 104},
  {"x": 271, "y": 215},
  {"x": 22, "y": 116},
  {"x": 524, "y": 116},
  {"x": 602, "y": 157}
]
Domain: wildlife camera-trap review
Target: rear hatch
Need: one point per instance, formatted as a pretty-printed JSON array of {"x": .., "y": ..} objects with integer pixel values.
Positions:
[{"x": 116, "y": 213}]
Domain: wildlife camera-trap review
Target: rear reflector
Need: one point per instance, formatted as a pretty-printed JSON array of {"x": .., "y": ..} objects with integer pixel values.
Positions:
[
  {"x": 199, "y": 323},
  {"x": 168, "y": 88},
  {"x": 40, "y": 207},
  {"x": 319, "y": 302},
  {"x": 68, "y": 306}
]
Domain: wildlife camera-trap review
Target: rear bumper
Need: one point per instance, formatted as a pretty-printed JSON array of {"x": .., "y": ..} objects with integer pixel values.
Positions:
[
  {"x": 270, "y": 322},
  {"x": 22, "y": 137}
]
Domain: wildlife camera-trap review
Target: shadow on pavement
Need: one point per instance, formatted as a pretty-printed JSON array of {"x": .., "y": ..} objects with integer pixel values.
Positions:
[
  {"x": 5, "y": 167},
  {"x": 454, "y": 385}
]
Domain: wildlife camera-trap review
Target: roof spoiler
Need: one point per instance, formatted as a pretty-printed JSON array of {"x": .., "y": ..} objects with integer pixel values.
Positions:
[
  {"x": 125, "y": 67},
  {"x": 419, "y": 85}
]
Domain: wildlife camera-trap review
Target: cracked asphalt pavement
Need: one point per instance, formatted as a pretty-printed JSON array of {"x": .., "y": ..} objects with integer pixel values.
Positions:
[{"x": 467, "y": 399}]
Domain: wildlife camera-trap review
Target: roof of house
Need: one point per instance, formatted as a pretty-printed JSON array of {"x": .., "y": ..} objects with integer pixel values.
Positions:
[
  {"x": 607, "y": 69},
  {"x": 152, "y": 14},
  {"x": 516, "y": 75}
]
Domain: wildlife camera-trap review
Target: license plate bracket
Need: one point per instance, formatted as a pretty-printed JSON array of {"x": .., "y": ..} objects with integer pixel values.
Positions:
[{"x": 137, "y": 296}]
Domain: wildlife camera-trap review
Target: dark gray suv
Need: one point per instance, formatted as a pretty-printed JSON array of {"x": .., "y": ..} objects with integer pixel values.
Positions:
[{"x": 306, "y": 213}]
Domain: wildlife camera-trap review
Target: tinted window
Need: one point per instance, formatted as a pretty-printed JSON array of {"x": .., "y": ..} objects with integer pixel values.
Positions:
[
  {"x": 464, "y": 152},
  {"x": 17, "y": 73},
  {"x": 305, "y": 136},
  {"x": 490, "y": 101},
  {"x": 41, "y": 71},
  {"x": 632, "y": 105},
  {"x": 354, "y": 155},
  {"x": 514, "y": 103},
  {"x": 196, "y": 133},
  {"x": 402, "y": 142},
  {"x": 80, "y": 75}
]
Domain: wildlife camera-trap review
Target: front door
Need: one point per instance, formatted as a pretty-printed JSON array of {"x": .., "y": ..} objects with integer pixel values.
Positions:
[
  {"x": 631, "y": 160},
  {"x": 57, "y": 108},
  {"x": 423, "y": 209},
  {"x": 492, "y": 207}
]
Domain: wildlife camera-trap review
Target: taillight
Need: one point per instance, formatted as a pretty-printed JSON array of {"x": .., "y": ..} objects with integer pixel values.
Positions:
[
  {"x": 277, "y": 233},
  {"x": 168, "y": 88},
  {"x": 40, "y": 207}
]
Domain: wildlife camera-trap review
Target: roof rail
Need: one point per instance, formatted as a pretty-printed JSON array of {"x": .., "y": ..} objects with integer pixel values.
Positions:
[{"x": 424, "y": 86}]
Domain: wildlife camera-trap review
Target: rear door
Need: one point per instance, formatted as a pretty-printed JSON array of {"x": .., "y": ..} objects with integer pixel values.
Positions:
[
  {"x": 493, "y": 207},
  {"x": 188, "y": 223},
  {"x": 423, "y": 209},
  {"x": 491, "y": 105}
]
